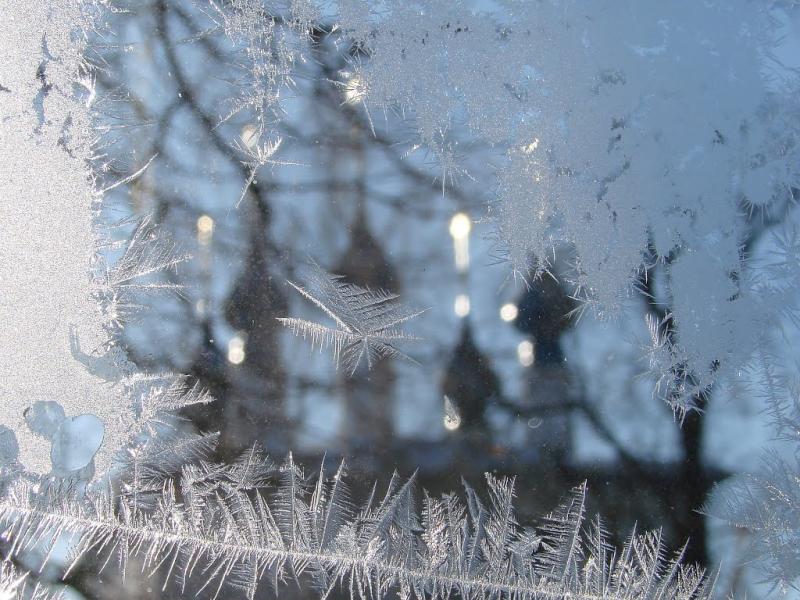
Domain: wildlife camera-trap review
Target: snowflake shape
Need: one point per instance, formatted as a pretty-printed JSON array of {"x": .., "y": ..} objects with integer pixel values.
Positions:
[{"x": 366, "y": 320}]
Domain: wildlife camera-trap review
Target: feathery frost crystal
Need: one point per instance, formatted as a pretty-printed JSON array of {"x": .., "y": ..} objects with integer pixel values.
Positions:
[
  {"x": 217, "y": 527},
  {"x": 366, "y": 320}
]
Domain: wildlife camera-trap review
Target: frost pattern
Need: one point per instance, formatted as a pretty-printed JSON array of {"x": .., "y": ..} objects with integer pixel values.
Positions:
[
  {"x": 767, "y": 504},
  {"x": 589, "y": 161},
  {"x": 268, "y": 53},
  {"x": 62, "y": 305},
  {"x": 146, "y": 254},
  {"x": 15, "y": 586},
  {"x": 366, "y": 320},
  {"x": 615, "y": 143},
  {"x": 47, "y": 238},
  {"x": 209, "y": 525}
]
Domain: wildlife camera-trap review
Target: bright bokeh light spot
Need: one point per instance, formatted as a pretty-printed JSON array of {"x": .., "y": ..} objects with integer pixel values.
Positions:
[
  {"x": 236, "y": 350},
  {"x": 205, "y": 224},
  {"x": 205, "y": 229},
  {"x": 461, "y": 306},
  {"x": 460, "y": 226},
  {"x": 508, "y": 312},
  {"x": 525, "y": 353}
]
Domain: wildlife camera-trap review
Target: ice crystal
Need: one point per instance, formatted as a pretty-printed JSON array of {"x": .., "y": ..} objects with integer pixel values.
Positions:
[
  {"x": 16, "y": 586},
  {"x": 208, "y": 530},
  {"x": 615, "y": 144},
  {"x": 766, "y": 504},
  {"x": 268, "y": 53},
  {"x": 638, "y": 155},
  {"x": 366, "y": 320},
  {"x": 47, "y": 236},
  {"x": 147, "y": 255},
  {"x": 61, "y": 302}
]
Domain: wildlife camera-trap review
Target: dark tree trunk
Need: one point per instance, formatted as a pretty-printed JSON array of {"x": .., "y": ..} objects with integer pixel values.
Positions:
[{"x": 694, "y": 486}]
